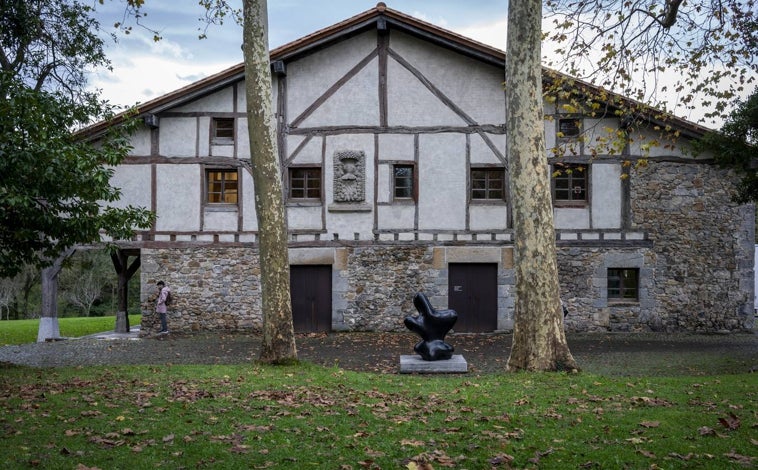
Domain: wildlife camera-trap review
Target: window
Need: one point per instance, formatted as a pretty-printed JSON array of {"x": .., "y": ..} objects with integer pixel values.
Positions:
[
  {"x": 569, "y": 184},
  {"x": 221, "y": 186},
  {"x": 488, "y": 184},
  {"x": 569, "y": 127},
  {"x": 403, "y": 182},
  {"x": 222, "y": 131},
  {"x": 305, "y": 183},
  {"x": 623, "y": 284}
]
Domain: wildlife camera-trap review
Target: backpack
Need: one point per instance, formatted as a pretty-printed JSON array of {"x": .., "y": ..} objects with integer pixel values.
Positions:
[{"x": 169, "y": 300}]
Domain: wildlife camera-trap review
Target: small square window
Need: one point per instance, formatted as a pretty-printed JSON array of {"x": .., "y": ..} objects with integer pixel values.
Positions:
[
  {"x": 305, "y": 183},
  {"x": 569, "y": 127},
  {"x": 403, "y": 182},
  {"x": 623, "y": 284},
  {"x": 221, "y": 186},
  {"x": 488, "y": 184},
  {"x": 570, "y": 184},
  {"x": 223, "y": 131}
]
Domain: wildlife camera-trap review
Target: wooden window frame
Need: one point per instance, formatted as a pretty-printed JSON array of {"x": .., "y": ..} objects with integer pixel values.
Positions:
[
  {"x": 487, "y": 193},
  {"x": 300, "y": 179},
  {"x": 569, "y": 172},
  {"x": 412, "y": 182},
  {"x": 225, "y": 184},
  {"x": 623, "y": 285},
  {"x": 575, "y": 131},
  {"x": 220, "y": 129}
]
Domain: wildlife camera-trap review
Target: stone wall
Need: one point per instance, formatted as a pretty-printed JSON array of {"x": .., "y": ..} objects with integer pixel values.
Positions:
[
  {"x": 703, "y": 246},
  {"x": 212, "y": 288}
]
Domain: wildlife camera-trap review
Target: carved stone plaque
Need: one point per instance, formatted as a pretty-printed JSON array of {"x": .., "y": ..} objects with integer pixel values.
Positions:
[{"x": 349, "y": 176}]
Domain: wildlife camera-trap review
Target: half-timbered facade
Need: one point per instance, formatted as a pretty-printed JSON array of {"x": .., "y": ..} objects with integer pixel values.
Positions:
[{"x": 392, "y": 147}]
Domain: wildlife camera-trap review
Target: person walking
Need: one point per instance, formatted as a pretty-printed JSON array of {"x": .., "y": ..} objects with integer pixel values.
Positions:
[{"x": 161, "y": 305}]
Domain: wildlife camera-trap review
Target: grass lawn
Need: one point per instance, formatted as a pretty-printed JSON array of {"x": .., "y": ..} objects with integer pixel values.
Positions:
[
  {"x": 308, "y": 416},
  {"x": 25, "y": 331}
]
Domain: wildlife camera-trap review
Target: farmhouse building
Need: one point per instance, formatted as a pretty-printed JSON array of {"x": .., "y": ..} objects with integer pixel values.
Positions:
[{"x": 392, "y": 139}]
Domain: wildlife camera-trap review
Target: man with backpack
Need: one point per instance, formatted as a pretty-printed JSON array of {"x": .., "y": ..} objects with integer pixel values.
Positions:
[{"x": 161, "y": 305}]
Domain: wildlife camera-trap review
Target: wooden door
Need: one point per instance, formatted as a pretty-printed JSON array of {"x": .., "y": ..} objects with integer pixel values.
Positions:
[
  {"x": 472, "y": 293},
  {"x": 311, "y": 294}
]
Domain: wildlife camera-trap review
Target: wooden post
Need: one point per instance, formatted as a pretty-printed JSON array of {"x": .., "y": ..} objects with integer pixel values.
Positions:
[{"x": 125, "y": 272}]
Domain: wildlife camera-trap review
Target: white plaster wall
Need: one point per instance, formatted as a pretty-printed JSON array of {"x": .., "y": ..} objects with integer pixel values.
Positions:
[
  {"x": 311, "y": 76},
  {"x": 410, "y": 103},
  {"x": 606, "y": 195},
  {"x": 304, "y": 218},
  {"x": 311, "y": 153},
  {"x": 178, "y": 137},
  {"x": 220, "y": 220},
  {"x": 204, "y": 136},
  {"x": 140, "y": 142},
  {"x": 572, "y": 218},
  {"x": 243, "y": 139},
  {"x": 658, "y": 145},
  {"x": 219, "y": 101},
  {"x": 442, "y": 181},
  {"x": 354, "y": 104},
  {"x": 249, "y": 216},
  {"x": 481, "y": 152},
  {"x": 384, "y": 186},
  {"x": 474, "y": 87},
  {"x": 134, "y": 182},
  {"x": 396, "y": 217},
  {"x": 488, "y": 217},
  {"x": 178, "y": 198},
  {"x": 397, "y": 147},
  {"x": 222, "y": 150},
  {"x": 347, "y": 224}
]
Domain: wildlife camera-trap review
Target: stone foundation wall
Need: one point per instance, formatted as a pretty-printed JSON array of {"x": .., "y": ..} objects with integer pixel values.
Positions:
[
  {"x": 703, "y": 246},
  {"x": 212, "y": 288}
]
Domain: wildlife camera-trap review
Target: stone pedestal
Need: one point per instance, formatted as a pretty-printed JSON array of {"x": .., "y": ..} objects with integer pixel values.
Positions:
[{"x": 413, "y": 364}]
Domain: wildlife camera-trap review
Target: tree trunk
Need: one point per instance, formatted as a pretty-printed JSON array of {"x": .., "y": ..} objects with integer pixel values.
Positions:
[
  {"x": 278, "y": 333},
  {"x": 539, "y": 342},
  {"x": 48, "y": 321},
  {"x": 124, "y": 271}
]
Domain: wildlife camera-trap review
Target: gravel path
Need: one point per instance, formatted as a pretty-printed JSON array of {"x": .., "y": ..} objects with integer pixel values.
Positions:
[{"x": 607, "y": 354}]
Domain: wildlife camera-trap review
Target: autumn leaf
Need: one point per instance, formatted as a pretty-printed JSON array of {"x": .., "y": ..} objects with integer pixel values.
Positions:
[
  {"x": 731, "y": 422},
  {"x": 411, "y": 443},
  {"x": 650, "y": 424}
]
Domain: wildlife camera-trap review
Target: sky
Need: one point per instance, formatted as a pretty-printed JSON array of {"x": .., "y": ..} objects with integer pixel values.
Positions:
[{"x": 144, "y": 69}]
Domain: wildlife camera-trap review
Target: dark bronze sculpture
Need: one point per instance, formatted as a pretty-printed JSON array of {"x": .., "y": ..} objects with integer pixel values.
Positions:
[{"x": 432, "y": 325}]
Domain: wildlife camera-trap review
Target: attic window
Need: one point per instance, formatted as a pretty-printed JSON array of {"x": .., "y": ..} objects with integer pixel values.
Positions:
[
  {"x": 569, "y": 127},
  {"x": 222, "y": 132}
]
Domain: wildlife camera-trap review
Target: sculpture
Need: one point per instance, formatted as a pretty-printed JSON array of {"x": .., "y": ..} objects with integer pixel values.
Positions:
[
  {"x": 349, "y": 176},
  {"x": 432, "y": 325}
]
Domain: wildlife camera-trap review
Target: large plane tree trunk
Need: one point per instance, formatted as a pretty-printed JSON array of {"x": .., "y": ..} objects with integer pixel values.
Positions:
[
  {"x": 278, "y": 332},
  {"x": 539, "y": 342}
]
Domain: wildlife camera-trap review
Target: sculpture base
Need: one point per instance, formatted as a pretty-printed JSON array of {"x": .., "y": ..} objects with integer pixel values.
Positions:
[{"x": 413, "y": 364}]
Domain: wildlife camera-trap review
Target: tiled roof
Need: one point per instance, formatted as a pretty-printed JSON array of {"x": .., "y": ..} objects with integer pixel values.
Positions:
[{"x": 369, "y": 19}]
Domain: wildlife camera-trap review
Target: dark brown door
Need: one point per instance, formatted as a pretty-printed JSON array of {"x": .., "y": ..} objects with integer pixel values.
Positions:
[
  {"x": 472, "y": 293},
  {"x": 311, "y": 293}
]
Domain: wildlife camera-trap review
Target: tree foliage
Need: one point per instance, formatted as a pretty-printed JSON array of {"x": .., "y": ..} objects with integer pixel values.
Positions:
[
  {"x": 736, "y": 146},
  {"x": 55, "y": 188},
  {"x": 698, "y": 54}
]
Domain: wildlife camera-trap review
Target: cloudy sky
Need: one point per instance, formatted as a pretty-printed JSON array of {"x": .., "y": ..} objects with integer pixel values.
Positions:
[{"x": 144, "y": 69}]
